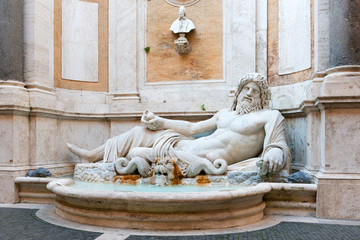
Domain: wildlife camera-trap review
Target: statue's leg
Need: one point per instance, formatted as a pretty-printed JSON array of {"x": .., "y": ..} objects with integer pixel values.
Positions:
[
  {"x": 118, "y": 146},
  {"x": 87, "y": 155}
]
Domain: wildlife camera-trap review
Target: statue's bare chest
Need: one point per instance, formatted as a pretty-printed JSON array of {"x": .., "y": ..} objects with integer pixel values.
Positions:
[{"x": 243, "y": 124}]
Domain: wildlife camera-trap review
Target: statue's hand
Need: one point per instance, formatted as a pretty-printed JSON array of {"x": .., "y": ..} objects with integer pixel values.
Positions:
[
  {"x": 272, "y": 161},
  {"x": 150, "y": 121}
]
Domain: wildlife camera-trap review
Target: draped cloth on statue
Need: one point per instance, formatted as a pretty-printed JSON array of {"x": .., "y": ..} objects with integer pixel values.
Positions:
[
  {"x": 184, "y": 25},
  {"x": 119, "y": 146},
  {"x": 161, "y": 142},
  {"x": 164, "y": 144},
  {"x": 274, "y": 138}
]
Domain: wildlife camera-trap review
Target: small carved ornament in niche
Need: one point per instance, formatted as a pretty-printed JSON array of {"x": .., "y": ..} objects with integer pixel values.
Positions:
[{"x": 181, "y": 26}]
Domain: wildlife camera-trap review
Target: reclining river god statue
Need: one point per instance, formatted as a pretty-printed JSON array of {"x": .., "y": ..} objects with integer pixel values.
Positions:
[{"x": 249, "y": 136}]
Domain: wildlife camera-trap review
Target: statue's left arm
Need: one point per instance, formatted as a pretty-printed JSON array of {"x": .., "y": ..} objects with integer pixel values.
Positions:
[{"x": 275, "y": 155}]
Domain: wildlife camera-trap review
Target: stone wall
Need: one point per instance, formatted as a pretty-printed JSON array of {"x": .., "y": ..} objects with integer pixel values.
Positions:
[
  {"x": 11, "y": 40},
  {"x": 344, "y": 32},
  {"x": 46, "y": 108},
  {"x": 204, "y": 62}
]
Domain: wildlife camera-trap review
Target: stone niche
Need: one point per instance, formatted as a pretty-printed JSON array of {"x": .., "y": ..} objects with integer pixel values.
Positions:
[{"x": 204, "y": 62}]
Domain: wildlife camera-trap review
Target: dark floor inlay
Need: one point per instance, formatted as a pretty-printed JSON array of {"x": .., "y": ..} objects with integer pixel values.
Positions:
[
  {"x": 19, "y": 224},
  {"x": 281, "y": 231}
]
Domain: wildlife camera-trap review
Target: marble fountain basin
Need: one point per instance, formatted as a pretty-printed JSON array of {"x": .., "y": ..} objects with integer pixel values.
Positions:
[{"x": 165, "y": 210}]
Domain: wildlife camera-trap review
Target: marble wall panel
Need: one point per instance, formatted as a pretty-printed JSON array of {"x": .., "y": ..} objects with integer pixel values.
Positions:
[
  {"x": 119, "y": 127},
  {"x": 341, "y": 152},
  {"x": 289, "y": 96},
  {"x": 38, "y": 42},
  {"x": 275, "y": 78},
  {"x": 313, "y": 135},
  {"x": 86, "y": 46},
  {"x": 9, "y": 193},
  {"x": 21, "y": 140},
  {"x": 321, "y": 35},
  {"x": 82, "y": 101},
  {"x": 6, "y": 138},
  {"x": 294, "y": 45},
  {"x": 261, "y": 37},
  {"x": 83, "y": 133},
  {"x": 243, "y": 38},
  {"x": 14, "y": 140},
  {"x": 80, "y": 40},
  {"x": 295, "y": 131},
  {"x": 43, "y": 140},
  {"x": 338, "y": 198},
  {"x": 123, "y": 31}
]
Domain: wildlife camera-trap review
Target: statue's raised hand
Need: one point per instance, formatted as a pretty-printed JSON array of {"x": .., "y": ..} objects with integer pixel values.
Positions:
[{"x": 150, "y": 120}]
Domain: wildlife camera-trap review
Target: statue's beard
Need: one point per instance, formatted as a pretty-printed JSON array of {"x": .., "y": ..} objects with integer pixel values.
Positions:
[{"x": 244, "y": 107}]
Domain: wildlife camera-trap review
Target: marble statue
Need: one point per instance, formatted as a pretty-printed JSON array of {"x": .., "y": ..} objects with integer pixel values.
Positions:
[
  {"x": 247, "y": 137},
  {"x": 182, "y": 25}
]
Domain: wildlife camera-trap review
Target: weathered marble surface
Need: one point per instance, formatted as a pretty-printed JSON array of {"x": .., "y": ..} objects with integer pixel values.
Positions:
[
  {"x": 106, "y": 172},
  {"x": 248, "y": 137},
  {"x": 95, "y": 172}
]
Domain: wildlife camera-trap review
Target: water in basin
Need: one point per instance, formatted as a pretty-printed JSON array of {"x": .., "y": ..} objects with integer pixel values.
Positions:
[{"x": 148, "y": 187}]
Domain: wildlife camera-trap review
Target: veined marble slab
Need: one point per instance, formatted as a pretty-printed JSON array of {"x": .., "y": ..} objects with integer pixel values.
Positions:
[
  {"x": 80, "y": 40},
  {"x": 294, "y": 36}
]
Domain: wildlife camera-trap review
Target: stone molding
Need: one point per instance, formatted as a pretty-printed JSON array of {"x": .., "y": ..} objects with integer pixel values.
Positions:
[
  {"x": 27, "y": 167},
  {"x": 337, "y": 176},
  {"x": 182, "y": 3},
  {"x": 321, "y": 101}
]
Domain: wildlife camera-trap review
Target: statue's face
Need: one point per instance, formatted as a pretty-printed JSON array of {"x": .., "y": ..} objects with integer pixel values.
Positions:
[
  {"x": 165, "y": 167},
  {"x": 181, "y": 13},
  {"x": 249, "y": 98}
]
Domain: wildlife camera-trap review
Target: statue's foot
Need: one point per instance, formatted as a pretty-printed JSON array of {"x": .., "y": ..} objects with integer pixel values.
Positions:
[{"x": 84, "y": 155}]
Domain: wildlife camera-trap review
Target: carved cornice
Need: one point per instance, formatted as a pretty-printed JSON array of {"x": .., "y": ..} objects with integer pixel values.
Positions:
[
  {"x": 345, "y": 68},
  {"x": 179, "y": 3},
  {"x": 11, "y": 83}
]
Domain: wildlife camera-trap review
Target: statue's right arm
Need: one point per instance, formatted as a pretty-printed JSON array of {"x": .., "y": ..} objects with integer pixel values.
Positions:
[{"x": 183, "y": 127}]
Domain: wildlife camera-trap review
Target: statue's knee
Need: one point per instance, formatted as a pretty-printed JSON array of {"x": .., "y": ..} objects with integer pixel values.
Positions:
[
  {"x": 142, "y": 152},
  {"x": 138, "y": 130},
  {"x": 133, "y": 153}
]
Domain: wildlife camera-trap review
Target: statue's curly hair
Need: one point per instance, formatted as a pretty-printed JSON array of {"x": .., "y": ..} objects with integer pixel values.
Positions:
[{"x": 265, "y": 94}]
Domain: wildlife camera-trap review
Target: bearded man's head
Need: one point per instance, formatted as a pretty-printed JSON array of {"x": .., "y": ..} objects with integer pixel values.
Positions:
[{"x": 252, "y": 94}]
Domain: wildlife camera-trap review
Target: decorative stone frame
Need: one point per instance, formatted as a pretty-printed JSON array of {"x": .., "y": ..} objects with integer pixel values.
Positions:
[{"x": 103, "y": 36}]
